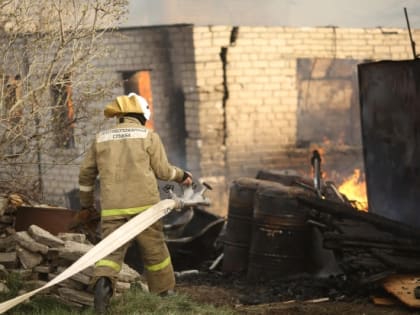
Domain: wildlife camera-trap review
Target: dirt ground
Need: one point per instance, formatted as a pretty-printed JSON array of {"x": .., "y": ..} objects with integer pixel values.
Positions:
[{"x": 271, "y": 298}]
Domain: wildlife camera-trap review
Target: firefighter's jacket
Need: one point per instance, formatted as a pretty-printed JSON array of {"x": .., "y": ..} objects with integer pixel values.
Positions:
[{"x": 129, "y": 159}]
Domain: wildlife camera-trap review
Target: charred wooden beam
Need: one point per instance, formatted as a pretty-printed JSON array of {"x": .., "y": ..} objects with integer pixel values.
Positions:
[
  {"x": 335, "y": 243},
  {"x": 343, "y": 211},
  {"x": 375, "y": 242},
  {"x": 400, "y": 262}
]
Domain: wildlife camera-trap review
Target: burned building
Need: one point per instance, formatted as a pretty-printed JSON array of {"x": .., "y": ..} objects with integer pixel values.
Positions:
[{"x": 229, "y": 101}]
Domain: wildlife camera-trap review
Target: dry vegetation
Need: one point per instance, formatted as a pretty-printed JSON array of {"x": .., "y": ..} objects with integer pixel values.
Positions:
[{"x": 48, "y": 52}]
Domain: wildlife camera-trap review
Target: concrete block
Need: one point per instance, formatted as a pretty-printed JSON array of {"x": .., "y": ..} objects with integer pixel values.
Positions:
[
  {"x": 44, "y": 237},
  {"x": 26, "y": 241},
  {"x": 28, "y": 259}
]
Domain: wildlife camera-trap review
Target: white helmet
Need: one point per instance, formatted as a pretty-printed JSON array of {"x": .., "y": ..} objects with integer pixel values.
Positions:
[{"x": 143, "y": 105}]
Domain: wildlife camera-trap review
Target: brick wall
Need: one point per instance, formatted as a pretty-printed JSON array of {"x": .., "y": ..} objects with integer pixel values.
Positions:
[
  {"x": 167, "y": 53},
  {"x": 229, "y": 101},
  {"x": 254, "y": 111}
]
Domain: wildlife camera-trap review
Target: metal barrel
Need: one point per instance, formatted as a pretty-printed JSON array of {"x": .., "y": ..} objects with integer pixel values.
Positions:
[
  {"x": 280, "y": 236},
  {"x": 239, "y": 224}
]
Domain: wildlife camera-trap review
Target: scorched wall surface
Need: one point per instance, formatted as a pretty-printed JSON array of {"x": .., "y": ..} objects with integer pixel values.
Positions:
[{"x": 229, "y": 100}]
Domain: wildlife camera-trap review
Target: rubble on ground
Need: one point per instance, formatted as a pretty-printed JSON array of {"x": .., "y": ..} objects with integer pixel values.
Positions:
[{"x": 36, "y": 256}]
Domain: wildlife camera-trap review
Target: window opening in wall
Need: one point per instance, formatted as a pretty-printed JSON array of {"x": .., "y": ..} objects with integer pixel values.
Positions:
[
  {"x": 139, "y": 82},
  {"x": 328, "y": 108},
  {"x": 63, "y": 119}
]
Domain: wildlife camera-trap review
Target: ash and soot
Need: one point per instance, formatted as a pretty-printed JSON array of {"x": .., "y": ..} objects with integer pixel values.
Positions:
[{"x": 289, "y": 248}]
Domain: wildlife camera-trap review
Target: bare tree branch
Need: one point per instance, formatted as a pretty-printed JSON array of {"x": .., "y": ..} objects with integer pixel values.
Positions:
[{"x": 47, "y": 78}]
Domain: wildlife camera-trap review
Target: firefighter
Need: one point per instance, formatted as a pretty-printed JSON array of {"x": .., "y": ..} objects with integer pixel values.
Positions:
[{"x": 129, "y": 158}]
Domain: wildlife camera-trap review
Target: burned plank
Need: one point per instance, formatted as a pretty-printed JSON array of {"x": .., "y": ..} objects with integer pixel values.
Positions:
[
  {"x": 383, "y": 301},
  {"x": 362, "y": 241},
  {"x": 362, "y": 262},
  {"x": 399, "y": 261},
  {"x": 341, "y": 210},
  {"x": 403, "y": 287}
]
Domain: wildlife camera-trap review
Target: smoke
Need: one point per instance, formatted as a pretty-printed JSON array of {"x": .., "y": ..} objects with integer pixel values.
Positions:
[
  {"x": 344, "y": 13},
  {"x": 215, "y": 12}
]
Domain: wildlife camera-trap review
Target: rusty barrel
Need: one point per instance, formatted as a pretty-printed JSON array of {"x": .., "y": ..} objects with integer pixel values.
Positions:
[
  {"x": 239, "y": 224},
  {"x": 280, "y": 235}
]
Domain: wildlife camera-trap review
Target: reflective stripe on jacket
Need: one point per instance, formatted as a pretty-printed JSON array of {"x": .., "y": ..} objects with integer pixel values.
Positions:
[{"x": 128, "y": 159}]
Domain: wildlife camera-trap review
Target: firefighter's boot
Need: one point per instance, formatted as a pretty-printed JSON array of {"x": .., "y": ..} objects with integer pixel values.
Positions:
[
  {"x": 167, "y": 293},
  {"x": 103, "y": 293}
]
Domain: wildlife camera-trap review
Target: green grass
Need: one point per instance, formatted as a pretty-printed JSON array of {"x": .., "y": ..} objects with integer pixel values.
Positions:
[
  {"x": 131, "y": 302},
  {"x": 45, "y": 305},
  {"x": 137, "y": 302}
]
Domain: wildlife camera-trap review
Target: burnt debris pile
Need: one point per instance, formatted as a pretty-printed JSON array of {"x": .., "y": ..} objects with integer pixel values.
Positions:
[{"x": 287, "y": 240}]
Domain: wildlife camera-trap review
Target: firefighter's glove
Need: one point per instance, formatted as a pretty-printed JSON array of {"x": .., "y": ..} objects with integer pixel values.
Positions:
[
  {"x": 86, "y": 221},
  {"x": 187, "y": 179}
]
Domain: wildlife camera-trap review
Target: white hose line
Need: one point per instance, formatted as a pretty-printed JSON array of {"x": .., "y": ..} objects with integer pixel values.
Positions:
[{"x": 105, "y": 247}]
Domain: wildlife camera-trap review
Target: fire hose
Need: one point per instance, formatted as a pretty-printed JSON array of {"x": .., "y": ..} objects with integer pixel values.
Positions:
[{"x": 116, "y": 239}]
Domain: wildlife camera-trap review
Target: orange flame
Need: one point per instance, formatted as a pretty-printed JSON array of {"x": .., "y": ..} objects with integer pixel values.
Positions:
[{"x": 354, "y": 188}]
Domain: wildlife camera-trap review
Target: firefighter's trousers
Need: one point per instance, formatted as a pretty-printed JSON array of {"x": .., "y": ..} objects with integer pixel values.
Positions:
[{"x": 154, "y": 252}]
